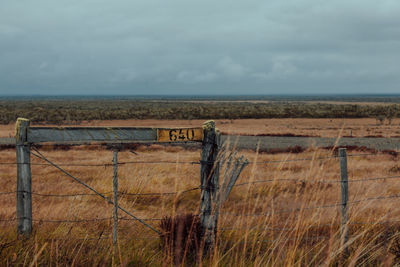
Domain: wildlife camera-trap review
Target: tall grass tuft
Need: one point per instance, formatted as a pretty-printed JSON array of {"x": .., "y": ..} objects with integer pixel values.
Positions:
[{"x": 181, "y": 238}]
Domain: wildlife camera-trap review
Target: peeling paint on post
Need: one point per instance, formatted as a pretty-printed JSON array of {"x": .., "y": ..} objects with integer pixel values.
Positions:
[
  {"x": 24, "y": 183},
  {"x": 209, "y": 180}
]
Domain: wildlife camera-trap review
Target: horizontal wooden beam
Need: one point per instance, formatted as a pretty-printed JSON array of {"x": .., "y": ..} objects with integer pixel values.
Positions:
[
  {"x": 112, "y": 134},
  {"x": 95, "y": 134}
]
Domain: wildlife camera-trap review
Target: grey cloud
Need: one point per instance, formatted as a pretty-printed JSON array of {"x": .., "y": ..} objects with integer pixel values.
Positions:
[
  {"x": 196, "y": 77},
  {"x": 182, "y": 46},
  {"x": 231, "y": 68}
]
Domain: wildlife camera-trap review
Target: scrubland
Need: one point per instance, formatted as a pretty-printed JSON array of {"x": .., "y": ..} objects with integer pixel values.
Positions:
[
  {"x": 76, "y": 110},
  {"x": 284, "y": 210}
]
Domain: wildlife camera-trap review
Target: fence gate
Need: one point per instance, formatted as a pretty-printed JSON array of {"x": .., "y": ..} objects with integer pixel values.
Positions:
[{"x": 27, "y": 136}]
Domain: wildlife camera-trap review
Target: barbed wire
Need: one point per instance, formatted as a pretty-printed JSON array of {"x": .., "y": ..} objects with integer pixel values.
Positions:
[
  {"x": 99, "y": 238},
  {"x": 144, "y": 219},
  {"x": 373, "y": 198},
  {"x": 8, "y": 193},
  {"x": 276, "y": 228},
  {"x": 80, "y": 238},
  {"x": 281, "y": 211},
  {"x": 8, "y": 220},
  {"x": 79, "y": 220},
  {"x": 374, "y": 223},
  {"x": 314, "y": 207},
  {"x": 286, "y": 180},
  {"x": 52, "y": 195},
  {"x": 89, "y": 220},
  {"x": 288, "y": 229},
  {"x": 317, "y": 158},
  {"x": 317, "y": 181},
  {"x": 373, "y": 179},
  {"x": 120, "y": 193},
  {"x": 316, "y": 237},
  {"x": 179, "y": 162},
  {"x": 68, "y": 195},
  {"x": 70, "y": 221},
  {"x": 198, "y": 188},
  {"x": 158, "y": 162},
  {"x": 226, "y": 213},
  {"x": 308, "y": 226},
  {"x": 224, "y": 229},
  {"x": 100, "y": 164},
  {"x": 160, "y": 194}
]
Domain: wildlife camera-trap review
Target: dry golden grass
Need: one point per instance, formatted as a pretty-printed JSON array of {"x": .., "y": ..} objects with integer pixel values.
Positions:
[
  {"x": 310, "y": 127},
  {"x": 283, "y": 236}
]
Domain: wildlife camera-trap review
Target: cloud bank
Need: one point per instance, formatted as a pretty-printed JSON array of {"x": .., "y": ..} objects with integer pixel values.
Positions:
[{"x": 199, "y": 47}]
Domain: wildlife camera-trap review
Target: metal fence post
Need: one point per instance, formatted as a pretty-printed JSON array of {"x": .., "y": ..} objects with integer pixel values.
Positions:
[
  {"x": 209, "y": 180},
  {"x": 115, "y": 189},
  {"x": 24, "y": 182},
  {"x": 344, "y": 231}
]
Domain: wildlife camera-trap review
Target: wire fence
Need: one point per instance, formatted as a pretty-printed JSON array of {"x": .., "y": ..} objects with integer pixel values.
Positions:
[
  {"x": 272, "y": 180},
  {"x": 120, "y": 193},
  {"x": 106, "y": 164},
  {"x": 333, "y": 205},
  {"x": 105, "y": 195}
]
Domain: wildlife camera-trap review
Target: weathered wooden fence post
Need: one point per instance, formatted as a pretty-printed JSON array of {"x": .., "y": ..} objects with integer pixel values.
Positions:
[
  {"x": 344, "y": 230},
  {"x": 209, "y": 180},
  {"x": 115, "y": 189},
  {"x": 24, "y": 182}
]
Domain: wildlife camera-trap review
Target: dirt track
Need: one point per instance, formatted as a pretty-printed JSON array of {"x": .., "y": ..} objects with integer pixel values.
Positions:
[
  {"x": 281, "y": 143},
  {"x": 271, "y": 142}
]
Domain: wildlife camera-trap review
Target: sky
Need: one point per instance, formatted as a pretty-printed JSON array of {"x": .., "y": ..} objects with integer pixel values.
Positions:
[{"x": 199, "y": 47}]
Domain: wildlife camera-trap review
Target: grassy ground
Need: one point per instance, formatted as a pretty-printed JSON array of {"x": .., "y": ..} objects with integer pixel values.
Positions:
[{"x": 272, "y": 222}]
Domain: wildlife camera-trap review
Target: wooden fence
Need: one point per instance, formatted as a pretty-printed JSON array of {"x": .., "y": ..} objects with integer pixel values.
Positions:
[{"x": 208, "y": 135}]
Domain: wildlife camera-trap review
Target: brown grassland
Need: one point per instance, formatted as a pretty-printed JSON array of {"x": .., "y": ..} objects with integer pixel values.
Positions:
[{"x": 294, "y": 218}]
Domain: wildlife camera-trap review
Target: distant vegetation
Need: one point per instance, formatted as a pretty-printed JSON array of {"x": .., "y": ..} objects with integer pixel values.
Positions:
[{"x": 74, "y": 111}]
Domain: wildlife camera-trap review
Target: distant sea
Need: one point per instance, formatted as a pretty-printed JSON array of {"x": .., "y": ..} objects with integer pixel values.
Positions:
[{"x": 385, "y": 98}]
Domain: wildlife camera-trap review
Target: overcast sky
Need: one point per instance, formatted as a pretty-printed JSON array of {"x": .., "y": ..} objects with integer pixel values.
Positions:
[{"x": 199, "y": 47}]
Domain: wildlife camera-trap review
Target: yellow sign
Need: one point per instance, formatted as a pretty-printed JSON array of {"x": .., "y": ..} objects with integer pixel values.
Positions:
[{"x": 180, "y": 135}]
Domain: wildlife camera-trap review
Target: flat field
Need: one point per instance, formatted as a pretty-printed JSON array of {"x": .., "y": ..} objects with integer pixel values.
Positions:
[
  {"x": 363, "y": 127},
  {"x": 284, "y": 209}
]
